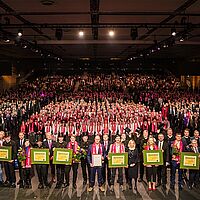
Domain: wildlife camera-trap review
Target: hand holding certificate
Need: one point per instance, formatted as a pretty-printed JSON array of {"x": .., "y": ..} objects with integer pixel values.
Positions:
[
  {"x": 189, "y": 160},
  {"x": 62, "y": 156},
  {"x": 5, "y": 154},
  {"x": 39, "y": 156},
  {"x": 96, "y": 160},
  {"x": 153, "y": 157},
  {"x": 117, "y": 160}
]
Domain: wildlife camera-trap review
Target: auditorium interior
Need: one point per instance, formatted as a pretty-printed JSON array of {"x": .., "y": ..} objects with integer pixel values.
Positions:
[{"x": 89, "y": 68}]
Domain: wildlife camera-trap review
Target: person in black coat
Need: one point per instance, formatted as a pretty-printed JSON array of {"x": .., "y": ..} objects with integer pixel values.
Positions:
[
  {"x": 162, "y": 169},
  {"x": 20, "y": 144},
  {"x": 9, "y": 166},
  {"x": 133, "y": 158},
  {"x": 42, "y": 169},
  {"x": 60, "y": 169},
  {"x": 143, "y": 143},
  {"x": 50, "y": 144},
  {"x": 106, "y": 145},
  {"x": 193, "y": 174},
  {"x": 84, "y": 163}
]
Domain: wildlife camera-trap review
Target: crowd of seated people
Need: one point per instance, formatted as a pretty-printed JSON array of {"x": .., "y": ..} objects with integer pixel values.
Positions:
[{"x": 129, "y": 111}]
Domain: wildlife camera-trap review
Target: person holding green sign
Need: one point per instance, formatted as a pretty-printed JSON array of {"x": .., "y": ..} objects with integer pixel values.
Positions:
[
  {"x": 117, "y": 147},
  {"x": 9, "y": 167},
  {"x": 60, "y": 169},
  {"x": 151, "y": 170}
]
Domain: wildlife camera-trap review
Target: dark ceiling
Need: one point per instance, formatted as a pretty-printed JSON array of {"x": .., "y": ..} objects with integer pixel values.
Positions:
[{"x": 153, "y": 20}]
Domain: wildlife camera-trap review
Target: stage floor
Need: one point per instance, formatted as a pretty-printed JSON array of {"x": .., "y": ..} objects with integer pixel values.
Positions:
[{"x": 81, "y": 193}]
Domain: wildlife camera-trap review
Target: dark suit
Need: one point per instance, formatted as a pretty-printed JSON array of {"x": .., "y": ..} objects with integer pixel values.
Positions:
[
  {"x": 84, "y": 163},
  {"x": 20, "y": 144},
  {"x": 193, "y": 174},
  {"x": 42, "y": 171},
  {"x": 46, "y": 145},
  {"x": 9, "y": 166},
  {"x": 93, "y": 170},
  {"x": 143, "y": 142},
  {"x": 60, "y": 169},
  {"x": 105, "y": 165},
  {"x": 162, "y": 169}
]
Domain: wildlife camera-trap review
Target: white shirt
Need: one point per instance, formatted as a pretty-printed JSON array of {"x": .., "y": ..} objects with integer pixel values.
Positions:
[
  {"x": 160, "y": 145},
  {"x": 97, "y": 149},
  {"x": 117, "y": 148}
]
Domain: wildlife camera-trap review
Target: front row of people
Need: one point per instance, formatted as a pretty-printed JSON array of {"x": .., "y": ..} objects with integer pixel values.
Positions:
[{"x": 154, "y": 173}]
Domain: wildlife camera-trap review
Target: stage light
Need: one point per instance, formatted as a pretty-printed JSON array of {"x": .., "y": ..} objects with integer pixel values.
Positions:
[
  {"x": 6, "y": 40},
  {"x": 134, "y": 33},
  {"x": 182, "y": 38},
  {"x": 81, "y": 33},
  {"x": 58, "y": 33},
  {"x": 111, "y": 33},
  {"x": 24, "y": 46},
  {"x": 20, "y": 33},
  {"x": 173, "y": 32},
  {"x": 165, "y": 45}
]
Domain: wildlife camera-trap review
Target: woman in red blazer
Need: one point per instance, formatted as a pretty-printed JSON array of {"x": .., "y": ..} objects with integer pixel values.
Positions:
[{"x": 151, "y": 170}]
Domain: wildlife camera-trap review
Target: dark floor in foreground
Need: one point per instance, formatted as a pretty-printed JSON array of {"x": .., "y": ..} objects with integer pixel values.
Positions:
[{"x": 81, "y": 193}]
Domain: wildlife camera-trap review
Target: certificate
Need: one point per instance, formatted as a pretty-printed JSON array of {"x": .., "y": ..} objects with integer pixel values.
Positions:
[
  {"x": 153, "y": 157},
  {"x": 5, "y": 153},
  {"x": 117, "y": 160},
  {"x": 97, "y": 160},
  {"x": 39, "y": 156},
  {"x": 189, "y": 160},
  {"x": 62, "y": 156}
]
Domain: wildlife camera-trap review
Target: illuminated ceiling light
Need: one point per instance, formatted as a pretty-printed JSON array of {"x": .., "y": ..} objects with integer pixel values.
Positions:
[
  {"x": 20, "y": 33},
  {"x": 81, "y": 33},
  {"x": 111, "y": 33},
  {"x": 173, "y": 32}
]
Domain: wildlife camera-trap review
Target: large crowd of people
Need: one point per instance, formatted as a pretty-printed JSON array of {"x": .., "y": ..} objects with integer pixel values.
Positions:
[{"x": 101, "y": 114}]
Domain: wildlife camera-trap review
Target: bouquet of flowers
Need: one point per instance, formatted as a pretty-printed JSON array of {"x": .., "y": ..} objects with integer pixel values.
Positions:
[
  {"x": 80, "y": 154},
  {"x": 175, "y": 150},
  {"x": 21, "y": 155}
]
